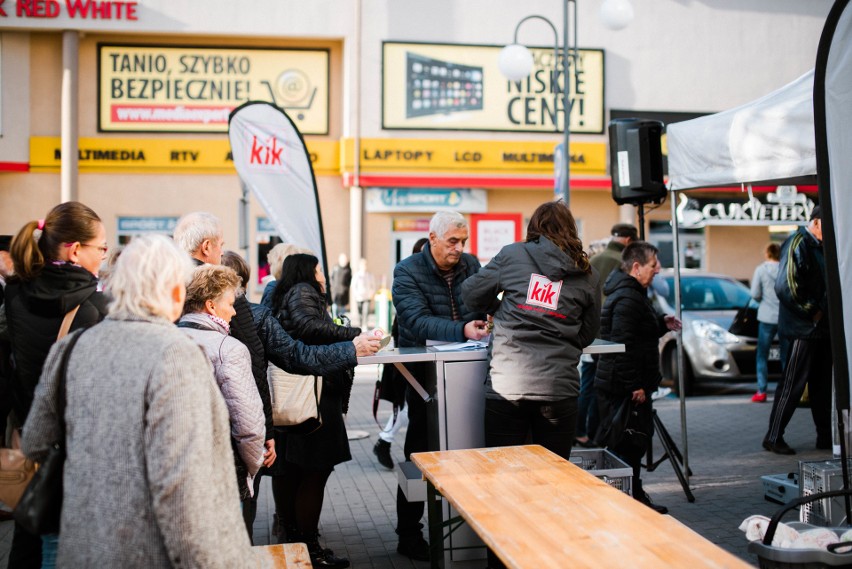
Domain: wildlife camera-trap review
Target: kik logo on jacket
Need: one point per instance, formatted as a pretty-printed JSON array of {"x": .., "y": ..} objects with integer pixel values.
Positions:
[{"x": 543, "y": 292}]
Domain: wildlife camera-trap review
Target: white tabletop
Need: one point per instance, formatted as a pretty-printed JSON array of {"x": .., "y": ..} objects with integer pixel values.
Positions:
[{"x": 428, "y": 354}]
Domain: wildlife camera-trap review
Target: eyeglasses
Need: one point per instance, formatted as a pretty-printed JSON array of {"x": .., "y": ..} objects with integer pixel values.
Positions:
[{"x": 103, "y": 248}]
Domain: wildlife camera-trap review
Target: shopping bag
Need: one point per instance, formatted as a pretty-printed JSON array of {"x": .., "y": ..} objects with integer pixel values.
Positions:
[
  {"x": 745, "y": 322},
  {"x": 295, "y": 400}
]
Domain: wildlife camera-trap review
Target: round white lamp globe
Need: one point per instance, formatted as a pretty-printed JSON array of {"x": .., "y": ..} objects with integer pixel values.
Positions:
[
  {"x": 515, "y": 62},
  {"x": 616, "y": 14}
]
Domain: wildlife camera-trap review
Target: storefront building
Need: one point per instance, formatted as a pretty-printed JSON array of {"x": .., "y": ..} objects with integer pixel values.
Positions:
[{"x": 123, "y": 105}]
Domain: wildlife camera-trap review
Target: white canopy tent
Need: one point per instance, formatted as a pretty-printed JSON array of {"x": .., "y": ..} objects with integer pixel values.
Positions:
[
  {"x": 767, "y": 141},
  {"x": 776, "y": 140}
]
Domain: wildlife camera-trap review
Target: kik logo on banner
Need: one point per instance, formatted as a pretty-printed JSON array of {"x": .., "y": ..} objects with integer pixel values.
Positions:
[
  {"x": 265, "y": 152},
  {"x": 543, "y": 292}
]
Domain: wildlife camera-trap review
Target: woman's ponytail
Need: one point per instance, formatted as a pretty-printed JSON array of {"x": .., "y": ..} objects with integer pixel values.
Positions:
[{"x": 27, "y": 258}]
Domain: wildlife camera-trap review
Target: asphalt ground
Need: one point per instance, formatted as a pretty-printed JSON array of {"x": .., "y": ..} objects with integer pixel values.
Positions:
[{"x": 724, "y": 427}]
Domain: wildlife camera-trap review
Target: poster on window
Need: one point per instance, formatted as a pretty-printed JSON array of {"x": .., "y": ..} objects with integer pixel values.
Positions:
[
  {"x": 490, "y": 232},
  {"x": 460, "y": 87}
]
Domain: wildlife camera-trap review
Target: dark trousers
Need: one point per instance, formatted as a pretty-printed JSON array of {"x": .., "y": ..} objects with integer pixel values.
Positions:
[
  {"x": 409, "y": 514},
  {"x": 588, "y": 418},
  {"x": 809, "y": 363},
  {"x": 550, "y": 424},
  {"x": 250, "y": 508},
  {"x": 26, "y": 550}
]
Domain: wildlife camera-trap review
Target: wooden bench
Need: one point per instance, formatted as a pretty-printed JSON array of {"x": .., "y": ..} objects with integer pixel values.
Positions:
[
  {"x": 283, "y": 556},
  {"x": 534, "y": 509}
]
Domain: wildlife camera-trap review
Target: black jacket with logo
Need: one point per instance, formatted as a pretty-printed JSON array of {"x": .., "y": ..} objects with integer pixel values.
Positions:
[{"x": 550, "y": 311}]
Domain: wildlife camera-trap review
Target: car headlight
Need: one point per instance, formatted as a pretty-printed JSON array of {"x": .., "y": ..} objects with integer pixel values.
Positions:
[{"x": 712, "y": 331}]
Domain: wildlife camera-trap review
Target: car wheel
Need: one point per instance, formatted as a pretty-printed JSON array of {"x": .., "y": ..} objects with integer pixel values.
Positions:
[{"x": 688, "y": 374}]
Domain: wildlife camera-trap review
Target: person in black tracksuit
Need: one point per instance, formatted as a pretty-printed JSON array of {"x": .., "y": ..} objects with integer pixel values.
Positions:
[
  {"x": 803, "y": 328},
  {"x": 629, "y": 378},
  {"x": 427, "y": 296}
]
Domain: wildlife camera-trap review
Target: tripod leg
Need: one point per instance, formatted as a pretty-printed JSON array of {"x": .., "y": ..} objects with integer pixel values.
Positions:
[
  {"x": 664, "y": 434},
  {"x": 677, "y": 466}
]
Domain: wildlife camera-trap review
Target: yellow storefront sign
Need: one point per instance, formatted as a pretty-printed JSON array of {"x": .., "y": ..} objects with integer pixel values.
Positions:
[
  {"x": 474, "y": 156},
  {"x": 162, "y": 155},
  {"x": 377, "y": 155},
  {"x": 154, "y": 88}
]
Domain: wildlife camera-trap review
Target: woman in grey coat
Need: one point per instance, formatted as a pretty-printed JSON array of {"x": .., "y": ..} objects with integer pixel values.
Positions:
[
  {"x": 208, "y": 311},
  {"x": 149, "y": 480}
]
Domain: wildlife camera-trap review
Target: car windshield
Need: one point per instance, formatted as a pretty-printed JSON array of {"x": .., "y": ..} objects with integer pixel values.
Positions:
[{"x": 709, "y": 293}]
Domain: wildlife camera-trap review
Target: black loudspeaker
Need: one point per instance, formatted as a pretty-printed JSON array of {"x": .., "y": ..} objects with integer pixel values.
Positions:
[{"x": 636, "y": 161}]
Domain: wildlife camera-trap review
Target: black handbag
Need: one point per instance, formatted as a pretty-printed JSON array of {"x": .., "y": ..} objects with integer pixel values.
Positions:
[
  {"x": 745, "y": 322},
  {"x": 40, "y": 507}
]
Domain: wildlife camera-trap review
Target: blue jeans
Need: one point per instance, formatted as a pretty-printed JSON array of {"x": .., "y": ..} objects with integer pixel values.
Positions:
[
  {"x": 765, "y": 335},
  {"x": 49, "y": 549}
]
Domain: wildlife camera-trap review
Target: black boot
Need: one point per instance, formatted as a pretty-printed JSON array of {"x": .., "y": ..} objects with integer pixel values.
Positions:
[
  {"x": 382, "y": 452},
  {"x": 640, "y": 495},
  {"x": 321, "y": 557},
  {"x": 288, "y": 533}
]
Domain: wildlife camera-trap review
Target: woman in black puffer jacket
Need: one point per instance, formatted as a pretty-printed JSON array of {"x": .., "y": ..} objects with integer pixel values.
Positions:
[{"x": 300, "y": 306}]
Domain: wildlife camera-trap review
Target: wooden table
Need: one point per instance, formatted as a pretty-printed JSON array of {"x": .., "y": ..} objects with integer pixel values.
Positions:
[
  {"x": 535, "y": 509},
  {"x": 282, "y": 556}
]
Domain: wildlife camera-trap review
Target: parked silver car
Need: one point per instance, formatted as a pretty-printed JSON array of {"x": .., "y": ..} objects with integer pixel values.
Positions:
[{"x": 709, "y": 303}]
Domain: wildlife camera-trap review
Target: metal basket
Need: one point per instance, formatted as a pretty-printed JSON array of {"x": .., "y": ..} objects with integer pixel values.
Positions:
[
  {"x": 605, "y": 466},
  {"x": 770, "y": 557},
  {"x": 822, "y": 476}
]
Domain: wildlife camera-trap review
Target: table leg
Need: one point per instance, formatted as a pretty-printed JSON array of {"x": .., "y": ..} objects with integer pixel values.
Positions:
[{"x": 436, "y": 520}]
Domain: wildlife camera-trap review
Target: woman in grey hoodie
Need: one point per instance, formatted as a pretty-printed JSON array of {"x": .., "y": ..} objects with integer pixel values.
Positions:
[{"x": 550, "y": 311}]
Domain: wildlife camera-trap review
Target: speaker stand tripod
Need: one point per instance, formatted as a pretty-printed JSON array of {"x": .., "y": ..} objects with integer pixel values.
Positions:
[{"x": 671, "y": 453}]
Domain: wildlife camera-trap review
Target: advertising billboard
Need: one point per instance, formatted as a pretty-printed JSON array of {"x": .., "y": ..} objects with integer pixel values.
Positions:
[
  {"x": 459, "y": 87},
  {"x": 154, "y": 88}
]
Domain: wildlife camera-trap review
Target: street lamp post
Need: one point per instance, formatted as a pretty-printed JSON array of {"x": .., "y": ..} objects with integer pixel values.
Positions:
[{"x": 516, "y": 63}]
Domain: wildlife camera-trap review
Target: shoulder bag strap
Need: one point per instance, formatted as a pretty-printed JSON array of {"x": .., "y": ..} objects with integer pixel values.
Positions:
[
  {"x": 66, "y": 322},
  {"x": 63, "y": 370}
]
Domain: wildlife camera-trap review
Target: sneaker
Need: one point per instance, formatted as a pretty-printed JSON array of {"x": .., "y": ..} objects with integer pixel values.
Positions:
[
  {"x": 758, "y": 397},
  {"x": 382, "y": 452},
  {"x": 415, "y": 548},
  {"x": 778, "y": 447},
  {"x": 645, "y": 499}
]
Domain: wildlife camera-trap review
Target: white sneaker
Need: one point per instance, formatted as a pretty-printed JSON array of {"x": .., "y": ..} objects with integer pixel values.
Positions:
[{"x": 660, "y": 393}]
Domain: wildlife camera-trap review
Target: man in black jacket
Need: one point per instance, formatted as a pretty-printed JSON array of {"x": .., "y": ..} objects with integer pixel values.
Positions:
[
  {"x": 802, "y": 322},
  {"x": 427, "y": 297},
  {"x": 626, "y": 381}
]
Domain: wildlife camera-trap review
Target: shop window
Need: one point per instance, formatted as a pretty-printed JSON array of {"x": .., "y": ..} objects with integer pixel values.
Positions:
[{"x": 130, "y": 227}]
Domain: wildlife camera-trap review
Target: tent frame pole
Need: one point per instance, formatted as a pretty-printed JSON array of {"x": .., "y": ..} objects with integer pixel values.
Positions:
[{"x": 679, "y": 334}]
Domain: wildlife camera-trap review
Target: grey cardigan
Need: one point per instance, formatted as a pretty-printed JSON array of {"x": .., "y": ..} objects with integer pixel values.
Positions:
[{"x": 149, "y": 478}]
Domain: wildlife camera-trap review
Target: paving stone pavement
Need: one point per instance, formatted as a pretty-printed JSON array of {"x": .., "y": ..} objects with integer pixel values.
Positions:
[{"x": 724, "y": 451}]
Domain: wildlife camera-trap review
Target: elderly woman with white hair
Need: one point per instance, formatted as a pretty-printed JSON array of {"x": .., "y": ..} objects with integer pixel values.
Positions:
[{"x": 149, "y": 479}]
